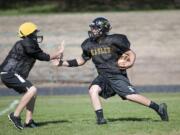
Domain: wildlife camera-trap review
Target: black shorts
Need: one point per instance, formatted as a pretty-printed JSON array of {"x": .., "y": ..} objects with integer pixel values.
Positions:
[
  {"x": 16, "y": 82},
  {"x": 114, "y": 84}
]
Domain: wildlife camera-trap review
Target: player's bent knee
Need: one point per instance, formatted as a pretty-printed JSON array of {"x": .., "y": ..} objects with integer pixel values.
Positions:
[
  {"x": 94, "y": 90},
  {"x": 91, "y": 91},
  {"x": 33, "y": 90}
]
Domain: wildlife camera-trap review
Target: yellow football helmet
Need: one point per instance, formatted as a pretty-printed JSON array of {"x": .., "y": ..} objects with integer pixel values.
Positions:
[{"x": 26, "y": 29}]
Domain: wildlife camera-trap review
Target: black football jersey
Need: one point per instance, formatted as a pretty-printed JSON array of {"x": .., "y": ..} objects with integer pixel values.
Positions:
[
  {"x": 22, "y": 57},
  {"x": 105, "y": 52}
]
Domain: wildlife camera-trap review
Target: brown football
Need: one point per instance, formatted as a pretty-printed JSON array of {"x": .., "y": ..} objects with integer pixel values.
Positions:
[{"x": 123, "y": 59}]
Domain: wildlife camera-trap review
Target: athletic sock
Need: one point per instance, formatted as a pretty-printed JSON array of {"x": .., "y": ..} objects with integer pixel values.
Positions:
[
  {"x": 154, "y": 106},
  {"x": 99, "y": 114}
]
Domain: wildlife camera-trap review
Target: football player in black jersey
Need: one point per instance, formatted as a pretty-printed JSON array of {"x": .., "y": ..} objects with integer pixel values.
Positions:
[
  {"x": 16, "y": 67},
  {"x": 105, "y": 50}
]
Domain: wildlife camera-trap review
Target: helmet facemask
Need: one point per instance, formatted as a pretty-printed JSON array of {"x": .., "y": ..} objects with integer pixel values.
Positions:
[
  {"x": 99, "y": 27},
  {"x": 36, "y": 36},
  {"x": 95, "y": 32}
]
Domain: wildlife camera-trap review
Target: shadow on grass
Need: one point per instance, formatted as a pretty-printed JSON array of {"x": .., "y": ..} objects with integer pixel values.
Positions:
[
  {"x": 131, "y": 119},
  {"x": 44, "y": 123}
]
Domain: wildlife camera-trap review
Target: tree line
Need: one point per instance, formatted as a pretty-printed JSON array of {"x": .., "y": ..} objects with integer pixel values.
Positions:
[{"x": 93, "y": 5}]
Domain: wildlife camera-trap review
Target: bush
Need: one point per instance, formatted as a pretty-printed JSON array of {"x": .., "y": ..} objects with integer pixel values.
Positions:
[{"x": 92, "y": 5}]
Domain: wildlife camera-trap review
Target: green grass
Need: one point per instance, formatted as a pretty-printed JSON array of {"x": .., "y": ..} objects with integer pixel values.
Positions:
[{"x": 73, "y": 115}]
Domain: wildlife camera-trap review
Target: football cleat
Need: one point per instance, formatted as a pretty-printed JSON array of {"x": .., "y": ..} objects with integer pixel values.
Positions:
[
  {"x": 163, "y": 112},
  {"x": 15, "y": 120},
  {"x": 101, "y": 121},
  {"x": 31, "y": 124}
]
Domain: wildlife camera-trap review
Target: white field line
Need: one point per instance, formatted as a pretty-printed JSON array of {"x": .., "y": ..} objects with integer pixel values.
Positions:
[{"x": 10, "y": 107}]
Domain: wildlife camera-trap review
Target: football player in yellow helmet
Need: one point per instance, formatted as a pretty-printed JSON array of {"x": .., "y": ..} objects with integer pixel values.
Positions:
[{"x": 16, "y": 67}]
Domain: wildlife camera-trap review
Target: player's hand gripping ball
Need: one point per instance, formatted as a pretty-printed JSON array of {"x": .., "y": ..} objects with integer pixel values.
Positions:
[{"x": 123, "y": 60}]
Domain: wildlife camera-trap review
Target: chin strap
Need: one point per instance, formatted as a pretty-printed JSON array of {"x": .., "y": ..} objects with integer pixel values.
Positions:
[{"x": 91, "y": 34}]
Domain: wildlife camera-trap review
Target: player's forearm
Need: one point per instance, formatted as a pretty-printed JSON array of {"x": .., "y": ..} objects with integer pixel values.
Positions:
[
  {"x": 55, "y": 55},
  {"x": 72, "y": 63}
]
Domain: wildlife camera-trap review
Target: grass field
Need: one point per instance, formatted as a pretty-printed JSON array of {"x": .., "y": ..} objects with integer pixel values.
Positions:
[{"x": 73, "y": 115}]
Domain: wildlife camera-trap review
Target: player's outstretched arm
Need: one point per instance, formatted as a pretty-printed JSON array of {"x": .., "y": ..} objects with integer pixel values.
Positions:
[
  {"x": 72, "y": 63},
  {"x": 69, "y": 63}
]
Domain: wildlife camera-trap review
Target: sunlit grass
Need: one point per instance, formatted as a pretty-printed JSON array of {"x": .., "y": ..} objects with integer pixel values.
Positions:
[{"x": 74, "y": 115}]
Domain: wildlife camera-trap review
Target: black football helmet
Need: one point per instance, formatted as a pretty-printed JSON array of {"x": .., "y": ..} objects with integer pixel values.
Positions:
[{"x": 99, "y": 27}]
